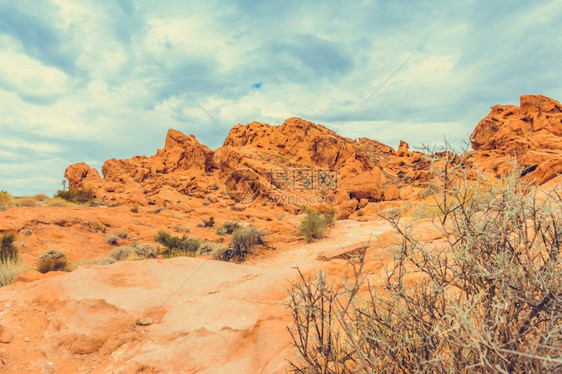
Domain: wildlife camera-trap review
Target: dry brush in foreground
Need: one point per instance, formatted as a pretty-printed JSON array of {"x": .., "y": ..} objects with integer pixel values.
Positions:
[{"x": 486, "y": 298}]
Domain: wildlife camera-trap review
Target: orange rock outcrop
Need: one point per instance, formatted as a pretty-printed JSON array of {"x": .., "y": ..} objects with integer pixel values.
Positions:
[{"x": 528, "y": 135}]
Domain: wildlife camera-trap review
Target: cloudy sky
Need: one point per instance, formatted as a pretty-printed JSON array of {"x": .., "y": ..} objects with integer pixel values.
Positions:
[{"x": 81, "y": 81}]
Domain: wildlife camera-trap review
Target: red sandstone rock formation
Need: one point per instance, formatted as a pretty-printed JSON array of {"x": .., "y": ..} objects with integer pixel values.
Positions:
[
  {"x": 529, "y": 135},
  {"x": 185, "y": 169}
]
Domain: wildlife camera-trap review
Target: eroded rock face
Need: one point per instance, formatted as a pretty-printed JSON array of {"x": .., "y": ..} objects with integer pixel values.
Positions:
[
  {"x": 303, "y": 141},
  {"x": 165, "y": 178},
  {"x": 302, "y": 145},
  {"x": 536, "y": 123},
  {"x": 183, "y": 152},
  {"x": 529, "y": 134}
]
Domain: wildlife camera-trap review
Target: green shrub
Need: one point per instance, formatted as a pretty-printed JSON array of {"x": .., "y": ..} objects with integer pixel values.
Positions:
[
  {"x": 8, "y": 251},
  {"x": 10, "y": 265},
  {"x": 330, "y": 216},
  {"x": 242, "y": 243},
  {"x": 9, "y": 269},
  {"x": 187, "y": 244},
  {"x": 177, "y": 246},
  {"x": 314, "y": 224},
  {"x": 77, "y": 195},
  {"x": 228, "y": 227},
  {"x": 166, "y": 239},
  {"x": 224, "y": 253},
  {"x": 52, "y": 260},
  {"x": 135, "y": 209}
]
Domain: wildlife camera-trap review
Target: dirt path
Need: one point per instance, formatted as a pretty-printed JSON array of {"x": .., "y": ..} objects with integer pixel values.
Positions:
[{"x": 345, "y": 233}]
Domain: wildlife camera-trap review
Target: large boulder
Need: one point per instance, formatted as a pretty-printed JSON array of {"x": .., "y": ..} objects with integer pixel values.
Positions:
[
  {"x": 78, "y": 174},
  {"x": 367, "y": 185}
]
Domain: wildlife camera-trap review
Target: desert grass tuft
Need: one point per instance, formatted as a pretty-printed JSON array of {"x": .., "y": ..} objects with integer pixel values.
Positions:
[
  {"x": 314, "y": 224},
  {"x": 9, "y": 269}
]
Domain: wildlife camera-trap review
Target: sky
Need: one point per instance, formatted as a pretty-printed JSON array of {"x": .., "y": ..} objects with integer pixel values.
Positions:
[{"x": 91, "y": 80}]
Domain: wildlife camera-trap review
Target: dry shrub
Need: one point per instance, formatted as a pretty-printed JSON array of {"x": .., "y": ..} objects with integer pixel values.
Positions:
[
  {"x": 132, "y": 253},
  {"x": 58, "y": 202},
  {"x": 228, "y": 227},
  {"x": 52, "y": 260},
  {"x": 432, "y": 189},
  {"x": 6, "y": 200},
  {"x": 41, "y": 197},
  {"x": 145, "y": 250},
  {"x": 209, "y": 248},
  {"x": 488, "y": 298},
  {"x": 208, "y": 223},
  {"x": 122, "y": 234},
  {"x": 90, "y": 262},
  {"x": 120, "y": 254},
  {"x": 26, "y": 202},
  {"x": 112, "y": 239}
]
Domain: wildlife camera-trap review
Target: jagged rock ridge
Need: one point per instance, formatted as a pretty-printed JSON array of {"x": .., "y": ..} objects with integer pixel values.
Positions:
[{"x": 366, "y": 169}]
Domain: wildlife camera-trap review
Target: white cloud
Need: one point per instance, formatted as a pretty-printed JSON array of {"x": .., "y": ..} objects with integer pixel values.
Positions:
[
  {"x": 77, "y": 82},
  {"x": 29, "y": 77}
]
